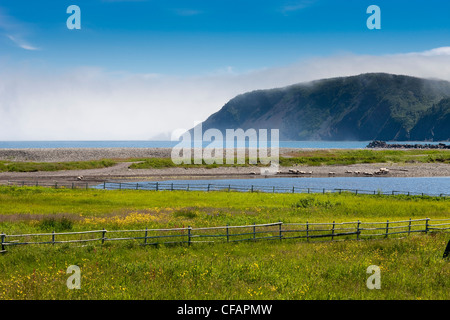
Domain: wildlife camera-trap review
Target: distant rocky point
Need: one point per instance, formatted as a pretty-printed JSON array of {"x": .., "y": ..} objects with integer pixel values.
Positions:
[{"x": 384, "y": 145}]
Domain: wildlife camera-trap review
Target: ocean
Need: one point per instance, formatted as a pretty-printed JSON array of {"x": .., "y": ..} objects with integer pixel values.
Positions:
[{"x": 171, "y": 144}]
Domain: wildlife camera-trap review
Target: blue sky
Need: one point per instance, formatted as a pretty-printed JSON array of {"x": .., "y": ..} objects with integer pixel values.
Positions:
[
  {"x": 151, "y": 67},
  {"x": 194, "y": 37}
]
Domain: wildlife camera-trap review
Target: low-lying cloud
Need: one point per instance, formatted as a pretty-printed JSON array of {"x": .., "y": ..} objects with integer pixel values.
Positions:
[{"x": 93, "y": 104}]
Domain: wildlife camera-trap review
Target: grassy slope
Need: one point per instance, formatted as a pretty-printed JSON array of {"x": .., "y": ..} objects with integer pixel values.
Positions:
[{"x": 412, "y": 268}]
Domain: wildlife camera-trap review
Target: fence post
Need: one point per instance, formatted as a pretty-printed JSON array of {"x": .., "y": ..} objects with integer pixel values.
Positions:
[
  {"x": 387, "y": 229},
  {"x": 157, "y": 186},
  {"x": 103, "y": 235},
  {"x": 307, "y": 230},
  {"x": 426, "y": 225},
  {"x": 209, "y": 186},
  {"x": 357, "y": 230},
  {"x": 56, "y": 185},
  {"x": 104, "y": 185},
  {"x": 229, "y": 187},
  {"x": 293, "y": 189},
  {"x": 189, "y": 235},
  {"x": 145, "y": 237},
  {"x": 447, "y": 251},
  {"x": 171, "y": 187},
  {"x": 280, "y": 229},
  {"x": 87, "y": 186},
  {"x": 254, "y": 230},
  {"x": 252, "y": 188},
  {"x": 409, "y": 227},
  {"x": 137, "y": 186},
  {"x": 332, "y": 232},
  {"x": 3, "y": 242},
  {"x": 53, "y": 237},
  {"x": 228, "y": 234}
]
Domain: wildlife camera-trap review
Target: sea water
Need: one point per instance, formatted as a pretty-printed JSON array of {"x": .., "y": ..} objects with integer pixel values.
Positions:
[{"x": 171, "y": 144}]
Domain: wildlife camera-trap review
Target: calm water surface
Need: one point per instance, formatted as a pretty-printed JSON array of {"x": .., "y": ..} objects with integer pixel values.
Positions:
[
  {"x": 426, "y": 185},
  {"x": 171, "y": 144}
]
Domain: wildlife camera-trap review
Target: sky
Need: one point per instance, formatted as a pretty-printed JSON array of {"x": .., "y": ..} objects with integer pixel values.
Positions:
[{"x": 141, "y": 69}]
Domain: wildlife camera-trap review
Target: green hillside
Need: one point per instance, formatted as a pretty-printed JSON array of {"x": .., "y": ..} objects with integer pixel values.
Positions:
[{"x": 375, "y": 106}]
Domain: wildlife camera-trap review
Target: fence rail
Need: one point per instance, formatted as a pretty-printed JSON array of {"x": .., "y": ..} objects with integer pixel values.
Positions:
[
  {"x": 355, "y": 230},
  {"x": 169, "y": 186}
]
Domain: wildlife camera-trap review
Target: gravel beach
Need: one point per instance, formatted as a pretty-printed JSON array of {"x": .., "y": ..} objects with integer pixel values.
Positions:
[
  {"x": 81, "y": 154},
  {"x": 121, "y": 171}
]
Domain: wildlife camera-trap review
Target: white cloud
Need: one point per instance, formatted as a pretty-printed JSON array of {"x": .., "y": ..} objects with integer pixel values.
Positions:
[
  {"x": 14, "y": 30},
  {"x": 90, "y": 103},
  {"x": 21, "y": 43},
  {"x": 296, "y": 6},
  {"x": 437, "y": 52}
]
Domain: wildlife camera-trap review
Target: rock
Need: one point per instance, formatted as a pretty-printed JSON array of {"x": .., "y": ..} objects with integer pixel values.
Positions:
[{"x": 383, "y": 144}]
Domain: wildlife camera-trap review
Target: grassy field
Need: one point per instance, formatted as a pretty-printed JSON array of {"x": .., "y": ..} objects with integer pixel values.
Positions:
[
  {"x": 314, "y": 158},
  {"x": 411, "y": 268},
  {"x": 346, "y": 157},
  {"x": 15, "y": 166},
  {"x": 324, "y": 157}
]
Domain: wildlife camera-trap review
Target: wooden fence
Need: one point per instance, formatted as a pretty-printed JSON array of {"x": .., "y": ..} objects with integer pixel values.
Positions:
[
  {"x": 170, "y": 186},
  {"x": 356, "y": 230}
]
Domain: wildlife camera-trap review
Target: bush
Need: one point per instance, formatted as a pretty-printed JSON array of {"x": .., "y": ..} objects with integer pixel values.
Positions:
[{"x": 57, "y": 225}]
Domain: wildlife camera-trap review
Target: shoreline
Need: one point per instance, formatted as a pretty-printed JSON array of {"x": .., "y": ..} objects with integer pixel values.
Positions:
[{"x": 121, "y": 171}]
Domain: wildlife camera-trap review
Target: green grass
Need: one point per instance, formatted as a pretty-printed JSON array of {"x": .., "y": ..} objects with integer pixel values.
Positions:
[
  {"x": 347, "y": 157},
  {"x": 322, "y": 157},
  {"x": 23, "y": 207},
  {"x": 160, "y": 163},
  {"x": 411, "y": 268},
  {"x": 312, "y": 158},
  {"x": 8, "y": 166}
]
